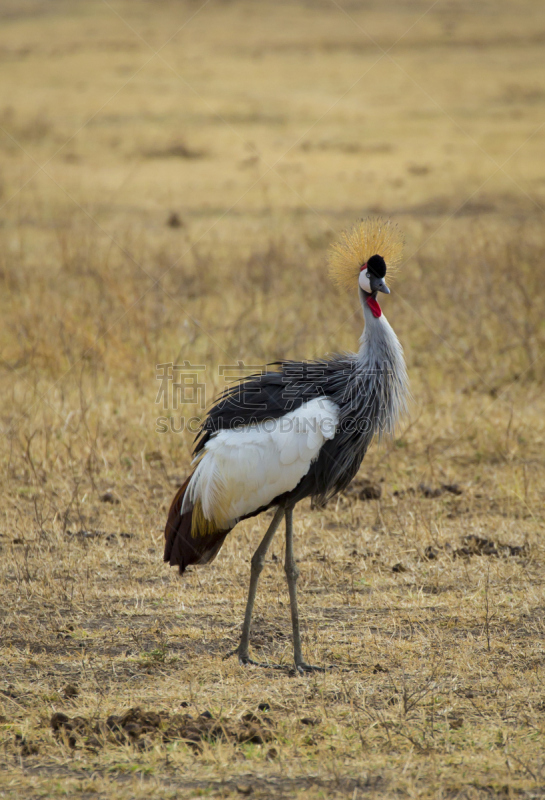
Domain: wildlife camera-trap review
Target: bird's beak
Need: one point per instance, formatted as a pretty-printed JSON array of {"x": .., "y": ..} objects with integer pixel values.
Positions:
[{"x": 378, "y": 285}]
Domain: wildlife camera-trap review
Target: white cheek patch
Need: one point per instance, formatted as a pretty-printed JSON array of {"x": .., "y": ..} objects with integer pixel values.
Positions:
[{"x": 364, "y": 281}]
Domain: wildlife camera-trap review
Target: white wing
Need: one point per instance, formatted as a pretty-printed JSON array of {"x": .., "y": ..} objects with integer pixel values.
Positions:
[{"x": 247, "y": 467}]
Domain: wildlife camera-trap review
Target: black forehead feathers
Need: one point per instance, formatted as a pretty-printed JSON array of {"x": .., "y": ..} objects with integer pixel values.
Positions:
[{"x": 376, "y": 265}]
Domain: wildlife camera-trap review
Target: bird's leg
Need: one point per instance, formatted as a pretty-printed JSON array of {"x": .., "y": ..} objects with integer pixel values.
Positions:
[
  {"x": 292, "y": 573},
  {"x": 258, "y": 560}
]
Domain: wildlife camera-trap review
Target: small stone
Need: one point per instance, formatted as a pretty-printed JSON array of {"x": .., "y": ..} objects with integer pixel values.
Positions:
[
  {"x": 399, "y": 567},
  {"x": 93, "y": 743},
  {"x": 27, "y": 748},
  {"x": 174, "y": 220},
  {"x": 113, "y": 722},
  {"x": 428, "y": 491},
  {"x": 59, "y": 720},
  {"x": 453, "y": 488},
  {"x": 249, "y": 716},
  {"x": 70, "y": 690},
  {"x": 109, "y": 497},
  {"x": 479, "y": 545},
  {"x": 369, "y": 491},
  {"x": 133, "y": 730},
  {"x": 253, "y": 734}
]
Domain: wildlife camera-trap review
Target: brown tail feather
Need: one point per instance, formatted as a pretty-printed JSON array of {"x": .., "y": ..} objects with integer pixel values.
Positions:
[{"x": 183, "y": 545}]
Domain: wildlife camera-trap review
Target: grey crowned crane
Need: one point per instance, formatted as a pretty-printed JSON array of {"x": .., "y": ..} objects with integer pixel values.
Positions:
[{"x": 300, "y": 429}]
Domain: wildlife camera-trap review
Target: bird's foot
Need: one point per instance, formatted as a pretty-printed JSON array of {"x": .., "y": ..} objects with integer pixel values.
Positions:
[
  {"x": 243, "y": 657},
  {"x": 303, "y": 668},
  {"x": 229, "y": 654},
  {"x": 244, "y": 660}
]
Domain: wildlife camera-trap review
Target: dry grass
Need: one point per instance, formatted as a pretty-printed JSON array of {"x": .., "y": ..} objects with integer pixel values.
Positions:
[{"x": 263, "y": 129}]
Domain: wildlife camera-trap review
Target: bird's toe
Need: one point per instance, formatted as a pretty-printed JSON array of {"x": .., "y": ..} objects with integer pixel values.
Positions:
[
  {"x": 303, "y": 668},
  {"x": 244, "y": 660}
]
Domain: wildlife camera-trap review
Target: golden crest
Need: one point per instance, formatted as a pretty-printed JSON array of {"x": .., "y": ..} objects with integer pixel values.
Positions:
[{"x": 372, "y": 236}]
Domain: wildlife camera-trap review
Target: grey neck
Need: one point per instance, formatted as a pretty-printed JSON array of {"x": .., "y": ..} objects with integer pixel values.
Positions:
[{"x": 381, "y": 354}]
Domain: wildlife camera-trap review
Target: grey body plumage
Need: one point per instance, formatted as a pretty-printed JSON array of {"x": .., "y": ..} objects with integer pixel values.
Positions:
[{"x": 370, "y": 389}]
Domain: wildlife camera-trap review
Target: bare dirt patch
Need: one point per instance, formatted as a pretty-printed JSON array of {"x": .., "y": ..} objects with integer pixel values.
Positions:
[{"x": 140, "y": 728}]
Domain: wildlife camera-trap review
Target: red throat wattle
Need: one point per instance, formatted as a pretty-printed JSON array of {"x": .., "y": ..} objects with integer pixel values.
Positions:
[{"x": 374, "y": 306}]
